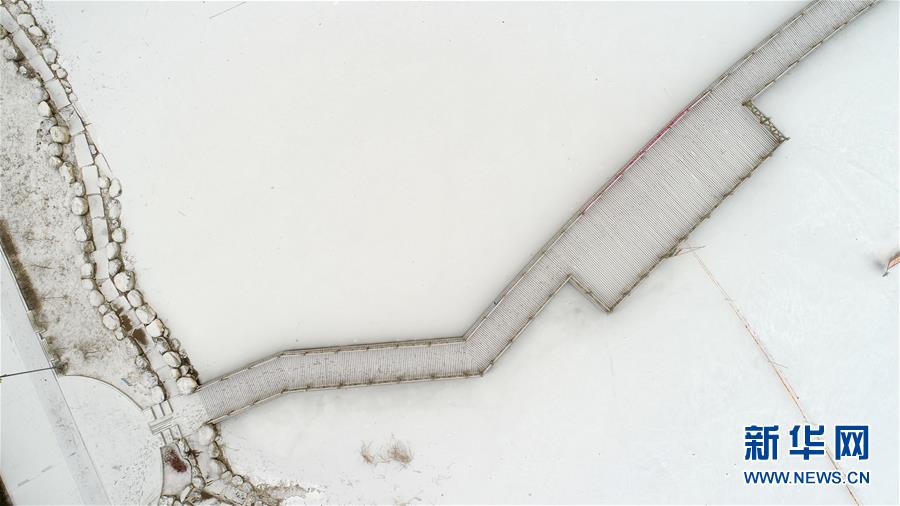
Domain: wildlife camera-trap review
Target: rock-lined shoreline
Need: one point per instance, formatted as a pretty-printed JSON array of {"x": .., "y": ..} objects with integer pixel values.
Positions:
[{"x": 106, "y": 276}]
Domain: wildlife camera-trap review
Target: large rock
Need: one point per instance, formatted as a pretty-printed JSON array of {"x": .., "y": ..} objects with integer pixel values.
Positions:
[
  {"x": 46, "y": 125},
  {"x": 96, "y": 298},
  {"x": 79, "y": 206},
  {"x": 67, "y": 172},
  {"x": 118, "y": 235},
  {"x": 156, "y": 328},
  {"x": 145, "y": 314},
  {"x": 10, "y": 52},
  {"x": 49, "y": 54},
  {"x": 26, "y": 20},
  {"x": 81, "y": 234},
  {"x": 172, "y": 359},
  {"x": 206, "y": 434},
  {"x": 59, "y": 134},
  {"x": 114, "y": 267},
  {"x": 111, "y": 321},
  {"x": 112, "y": 250},
  {"x": 186, "y": 384},
  {"x": 162, "y": 345},
  {"x": 44, "y": 109},
  {"x": 149, "y": 379},
  {"x": 157, "y": 394},
  {"x": 114, "y": 209},
  {"x": 51, "y": 148},
  {"x": 124, "y": 281},
  {"x": 135, "y": 298},
  {"x": 214, "y": 468}
]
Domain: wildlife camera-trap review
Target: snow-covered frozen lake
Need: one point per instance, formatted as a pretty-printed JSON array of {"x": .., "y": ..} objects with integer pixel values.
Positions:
[{"x": 315, "y": 174}]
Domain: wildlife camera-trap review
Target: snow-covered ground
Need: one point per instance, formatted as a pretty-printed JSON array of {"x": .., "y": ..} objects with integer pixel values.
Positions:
[
  {"x": 313, "y": 174},
  {"x": 115, "y": 431},
  {"x": 35, "y": 452},
  {"x": 67, "y": 440}
]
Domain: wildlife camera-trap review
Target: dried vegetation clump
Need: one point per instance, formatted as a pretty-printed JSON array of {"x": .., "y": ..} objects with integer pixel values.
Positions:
[{"x": 393, "y": 451}]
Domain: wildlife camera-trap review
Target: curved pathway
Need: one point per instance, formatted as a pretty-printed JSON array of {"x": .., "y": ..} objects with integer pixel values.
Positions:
[{"x": 19, "y": 332}]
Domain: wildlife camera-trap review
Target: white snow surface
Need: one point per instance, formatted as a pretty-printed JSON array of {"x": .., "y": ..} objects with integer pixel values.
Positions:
[
  {"x": 115, "y": 432},
  {"x": 319, "y": 174}
]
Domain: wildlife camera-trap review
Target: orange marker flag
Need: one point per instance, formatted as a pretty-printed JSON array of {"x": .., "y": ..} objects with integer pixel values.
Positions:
[{"x": 892, "y": 263}]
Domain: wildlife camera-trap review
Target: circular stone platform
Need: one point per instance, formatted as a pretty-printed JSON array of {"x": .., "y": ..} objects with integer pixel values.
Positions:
[{"x": 115, "y": 433}]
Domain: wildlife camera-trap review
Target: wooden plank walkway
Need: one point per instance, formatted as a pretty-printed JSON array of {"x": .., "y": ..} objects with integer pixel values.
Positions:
[{"x": 616, "y": 239}]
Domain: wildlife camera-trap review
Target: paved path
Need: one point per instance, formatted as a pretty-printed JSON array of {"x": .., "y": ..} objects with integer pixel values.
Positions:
[
  {"x": 78, "y": 473},
  {"x": 635, "y": 221}
]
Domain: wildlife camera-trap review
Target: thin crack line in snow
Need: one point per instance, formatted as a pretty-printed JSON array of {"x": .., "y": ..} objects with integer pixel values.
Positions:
[
  {"x": 227, "y": 10},
  {"x": 768, "y": 356}
]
